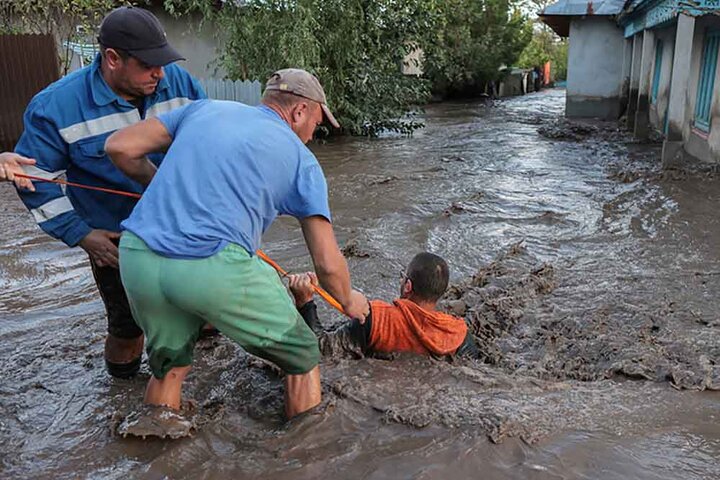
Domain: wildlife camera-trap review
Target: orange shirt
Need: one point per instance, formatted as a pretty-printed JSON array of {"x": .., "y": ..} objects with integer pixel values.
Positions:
[{"x": 403, "y": 326}]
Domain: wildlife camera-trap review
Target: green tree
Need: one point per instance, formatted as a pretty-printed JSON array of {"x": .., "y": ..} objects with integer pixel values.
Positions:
[
  {"x": 476, "y": 38},
  {"x": 559, "y": 60},
  {"x": 355, "y": 47},
  {"x": 66, "y": 20},
  {"x": 544, "y": 47}
]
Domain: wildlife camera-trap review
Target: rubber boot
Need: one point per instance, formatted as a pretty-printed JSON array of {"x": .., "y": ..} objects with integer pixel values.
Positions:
[{"x": 123, "y": 355}]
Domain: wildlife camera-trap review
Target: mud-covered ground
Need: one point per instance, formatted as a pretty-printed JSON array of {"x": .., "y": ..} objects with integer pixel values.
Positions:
[{"x": 587, "y": 274}]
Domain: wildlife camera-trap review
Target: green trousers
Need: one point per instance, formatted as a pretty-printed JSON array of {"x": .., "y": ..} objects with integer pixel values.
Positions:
[{"x": 239, "y": 294}]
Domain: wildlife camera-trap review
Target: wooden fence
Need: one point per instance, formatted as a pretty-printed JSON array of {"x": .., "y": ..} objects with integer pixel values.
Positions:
[
  {"x": 246, "y": 92},
  {"x": 28, "y": 63}
]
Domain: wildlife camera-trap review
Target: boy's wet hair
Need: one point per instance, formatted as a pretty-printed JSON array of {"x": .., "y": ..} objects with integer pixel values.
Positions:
[{"x": 430, "y": 276}]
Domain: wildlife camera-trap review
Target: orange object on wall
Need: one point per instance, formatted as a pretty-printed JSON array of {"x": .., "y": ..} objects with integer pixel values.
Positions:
[{"x": 546, "y": 73}]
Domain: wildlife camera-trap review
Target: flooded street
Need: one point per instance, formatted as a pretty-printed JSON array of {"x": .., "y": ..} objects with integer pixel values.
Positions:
[{"x": 589, "y": 278}]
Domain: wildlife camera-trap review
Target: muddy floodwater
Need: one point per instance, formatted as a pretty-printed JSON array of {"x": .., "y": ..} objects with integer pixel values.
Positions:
[{"x": 589, "y": 277}]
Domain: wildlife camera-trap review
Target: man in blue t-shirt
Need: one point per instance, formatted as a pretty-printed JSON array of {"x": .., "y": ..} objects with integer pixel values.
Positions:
[{"x": 187, "y": 255}]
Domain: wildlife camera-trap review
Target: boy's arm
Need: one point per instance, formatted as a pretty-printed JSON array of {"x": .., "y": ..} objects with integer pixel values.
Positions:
[
  {"x": 350, "y": 339},
  {"x": 301, "y": 287},
  {"x": 468, "y": 348},
  {"x": 308, "y": 311},
  {"x": 353, "y": 339}
]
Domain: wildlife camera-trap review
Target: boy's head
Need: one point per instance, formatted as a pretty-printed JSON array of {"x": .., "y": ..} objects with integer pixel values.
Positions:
[{"x": 425, "y": 279}]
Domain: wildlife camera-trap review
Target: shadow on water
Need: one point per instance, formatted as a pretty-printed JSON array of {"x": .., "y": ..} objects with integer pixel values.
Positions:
[{"x": 588, "y": 276}]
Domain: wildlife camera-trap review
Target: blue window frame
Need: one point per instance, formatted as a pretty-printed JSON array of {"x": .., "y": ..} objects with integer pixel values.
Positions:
[
  {"x": 658, "y": 71},
  {"x": 706, "y": 84}
]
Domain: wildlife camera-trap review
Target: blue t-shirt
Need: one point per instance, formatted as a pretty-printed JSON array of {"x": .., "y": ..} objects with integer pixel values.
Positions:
[{"x": 230, "y": 170}]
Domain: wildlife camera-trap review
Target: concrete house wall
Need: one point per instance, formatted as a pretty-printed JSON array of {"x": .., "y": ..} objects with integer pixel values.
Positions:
[
  {"x": 611, "y": 69},
  {"x": 634, "y": 83},
  {"x": 198, "y": 45},
  {"x": 595, "y": 57},
  {"x": 658, "y": 108},
  {"x": 625, "y": 76},
  {"x": 701, "y": 145}
]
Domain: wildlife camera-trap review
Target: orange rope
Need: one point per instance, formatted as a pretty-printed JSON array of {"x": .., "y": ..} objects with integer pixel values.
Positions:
[
  {"x": 71, "y": 184},
  {"x": 320, "y": 291}
]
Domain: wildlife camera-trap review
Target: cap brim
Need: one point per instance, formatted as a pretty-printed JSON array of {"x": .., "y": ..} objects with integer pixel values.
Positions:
[
  {"x": 330, "y": 117},
  {"x": 157, "y": 57}
]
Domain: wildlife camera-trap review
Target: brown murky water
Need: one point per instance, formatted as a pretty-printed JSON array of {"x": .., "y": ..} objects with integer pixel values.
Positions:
[{"x": 589, "y": 279}]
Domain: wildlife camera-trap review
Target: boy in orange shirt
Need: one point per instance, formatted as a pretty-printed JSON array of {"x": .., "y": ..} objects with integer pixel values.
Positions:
[{"x": 410, "y": 324}]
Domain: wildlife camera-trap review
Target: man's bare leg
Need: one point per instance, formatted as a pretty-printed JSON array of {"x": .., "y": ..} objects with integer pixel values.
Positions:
[
  {"x": 167, "y": 391},
  {"x": 157, "y": 420},
  {"x": 302, "y": 392}
]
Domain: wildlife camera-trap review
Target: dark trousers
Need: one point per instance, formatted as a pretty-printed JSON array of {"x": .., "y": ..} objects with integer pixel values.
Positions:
[{"x": 120, "y": 320}]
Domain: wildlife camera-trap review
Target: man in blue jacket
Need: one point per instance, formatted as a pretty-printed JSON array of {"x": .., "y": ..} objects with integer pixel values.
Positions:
[{"x": 66, "y": 125}]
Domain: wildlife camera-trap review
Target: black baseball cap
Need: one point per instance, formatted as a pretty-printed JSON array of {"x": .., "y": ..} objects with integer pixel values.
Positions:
[{"x": 138, "y": 32}]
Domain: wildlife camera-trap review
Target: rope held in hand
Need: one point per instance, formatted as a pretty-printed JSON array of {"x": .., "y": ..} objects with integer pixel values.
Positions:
[{"x": 319, "y": 290}]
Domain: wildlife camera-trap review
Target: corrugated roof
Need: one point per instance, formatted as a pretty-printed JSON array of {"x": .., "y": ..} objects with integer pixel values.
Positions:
[{"x": 583, "y": 7}]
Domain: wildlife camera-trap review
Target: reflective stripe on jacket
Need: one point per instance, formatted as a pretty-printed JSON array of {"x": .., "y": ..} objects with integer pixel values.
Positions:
[{"x": 66, "y": 126}]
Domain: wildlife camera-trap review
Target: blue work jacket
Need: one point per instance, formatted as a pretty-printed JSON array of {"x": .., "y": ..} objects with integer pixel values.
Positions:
[{"x": 66, "y": 126}]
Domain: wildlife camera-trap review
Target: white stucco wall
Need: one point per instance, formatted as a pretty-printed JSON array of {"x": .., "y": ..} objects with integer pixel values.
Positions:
[
  {"x": 413, "y": 62},
  {"x": 595, "y": 67},
  {"x": 595, "y": 57},
  {"x": 198, "y": 46}
]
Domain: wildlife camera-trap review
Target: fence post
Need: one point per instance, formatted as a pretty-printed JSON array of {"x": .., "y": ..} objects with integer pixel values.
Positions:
[{"x": 244, "y": 91}]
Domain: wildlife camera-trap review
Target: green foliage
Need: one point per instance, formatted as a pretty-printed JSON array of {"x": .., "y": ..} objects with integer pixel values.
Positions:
[
  {"x": 544, "y": 47},
  {"x": 559, "y": 60},
  {"x": 535, "y": 54},
  {"x": 476, "y": 38},
  {"x": 67, "y": 20},
  {"x": 355, "y": 47}
]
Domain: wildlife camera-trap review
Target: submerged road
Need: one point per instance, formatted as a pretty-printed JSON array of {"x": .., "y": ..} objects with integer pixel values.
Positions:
[{"x": 595, "y": 298}]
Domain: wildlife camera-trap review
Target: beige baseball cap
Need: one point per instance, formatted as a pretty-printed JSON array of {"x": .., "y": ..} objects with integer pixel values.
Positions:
[{"x": 304, "y": 84}]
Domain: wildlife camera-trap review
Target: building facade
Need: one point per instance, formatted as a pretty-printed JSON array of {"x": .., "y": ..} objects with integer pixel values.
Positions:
[{"x": 654, "y": 61}]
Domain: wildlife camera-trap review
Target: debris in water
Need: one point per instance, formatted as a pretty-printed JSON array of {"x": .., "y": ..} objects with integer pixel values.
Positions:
[
  {"x": 454, "y": 209},
  {"x": 352, "y": 249},
  {"x": 493, "y": 300},
  {"x": 609, "y": 341},
  {"x": 381, "y": 180},
  {"x": 454, "y": 158},
  {"x": 567, "y": 130}
]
